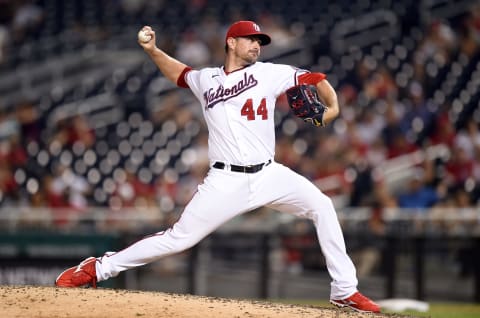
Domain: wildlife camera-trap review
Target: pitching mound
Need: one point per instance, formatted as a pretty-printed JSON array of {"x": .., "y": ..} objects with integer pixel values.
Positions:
[{"x": 51, "y": 302}]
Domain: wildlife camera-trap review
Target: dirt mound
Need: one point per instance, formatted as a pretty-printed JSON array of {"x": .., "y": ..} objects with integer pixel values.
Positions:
[{"x": 51, "y": 302}]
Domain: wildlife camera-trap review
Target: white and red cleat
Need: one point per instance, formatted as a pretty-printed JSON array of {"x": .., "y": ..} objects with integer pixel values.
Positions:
[
  {"x": 357, "y": 302},
  {"x": 83, "y": 274}
]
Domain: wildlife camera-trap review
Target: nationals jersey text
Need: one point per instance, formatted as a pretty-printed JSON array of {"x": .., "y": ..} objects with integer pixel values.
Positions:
[{"x": 214, "y": 96}]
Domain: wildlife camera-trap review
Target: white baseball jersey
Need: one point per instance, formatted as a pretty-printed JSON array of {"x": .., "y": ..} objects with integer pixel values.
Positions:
[{"x": 238, "y": 108}]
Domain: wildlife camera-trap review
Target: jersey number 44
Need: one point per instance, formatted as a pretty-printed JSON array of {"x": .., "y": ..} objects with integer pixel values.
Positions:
[{"x": 249, "y": 111}]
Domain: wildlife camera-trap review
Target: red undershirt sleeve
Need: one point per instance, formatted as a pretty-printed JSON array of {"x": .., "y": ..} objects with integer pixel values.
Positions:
[
  {"x": 181, "y": 79},
  {"x": 311, "y": 78}
]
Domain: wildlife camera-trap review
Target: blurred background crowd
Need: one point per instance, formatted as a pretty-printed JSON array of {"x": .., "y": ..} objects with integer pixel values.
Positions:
[{"x": 87, "y": 120}]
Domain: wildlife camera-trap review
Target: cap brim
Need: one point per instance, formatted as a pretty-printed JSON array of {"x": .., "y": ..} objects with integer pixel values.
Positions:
[{"x": 265, "y": 39}]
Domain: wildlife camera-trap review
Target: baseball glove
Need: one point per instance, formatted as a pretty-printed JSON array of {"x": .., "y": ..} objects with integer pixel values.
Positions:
[{"x": 304, "y": 102}]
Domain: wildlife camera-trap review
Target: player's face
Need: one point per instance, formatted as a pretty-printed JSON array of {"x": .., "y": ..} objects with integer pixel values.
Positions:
[{"x": 248, "y": 49}]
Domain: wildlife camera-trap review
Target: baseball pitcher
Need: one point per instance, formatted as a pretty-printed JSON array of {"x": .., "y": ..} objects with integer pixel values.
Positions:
[{"x": 238, "y": 102}]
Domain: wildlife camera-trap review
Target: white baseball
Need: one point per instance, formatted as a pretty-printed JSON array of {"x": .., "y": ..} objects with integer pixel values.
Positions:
[{"x": 143, "y": 36}]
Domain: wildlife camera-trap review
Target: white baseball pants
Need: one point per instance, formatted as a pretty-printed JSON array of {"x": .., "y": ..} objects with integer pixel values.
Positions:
[{"x": 225, "y": 194}]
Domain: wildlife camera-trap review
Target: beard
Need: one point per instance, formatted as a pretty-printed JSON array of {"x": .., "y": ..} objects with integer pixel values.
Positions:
[{"x": 251, "y": 57}]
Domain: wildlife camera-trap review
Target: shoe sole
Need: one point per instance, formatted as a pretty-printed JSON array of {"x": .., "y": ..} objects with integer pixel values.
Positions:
[{"x": 340, "y": 305}]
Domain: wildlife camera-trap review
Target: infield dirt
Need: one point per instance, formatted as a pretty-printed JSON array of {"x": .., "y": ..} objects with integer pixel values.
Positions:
[{"x": 52, "y": 302}]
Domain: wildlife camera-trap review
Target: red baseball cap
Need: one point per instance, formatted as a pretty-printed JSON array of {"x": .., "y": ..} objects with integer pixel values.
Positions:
[{"x": 246, "y": 28}]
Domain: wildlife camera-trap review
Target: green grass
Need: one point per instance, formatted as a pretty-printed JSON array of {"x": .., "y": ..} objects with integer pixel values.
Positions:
[{"x": 437, "y": 310}]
